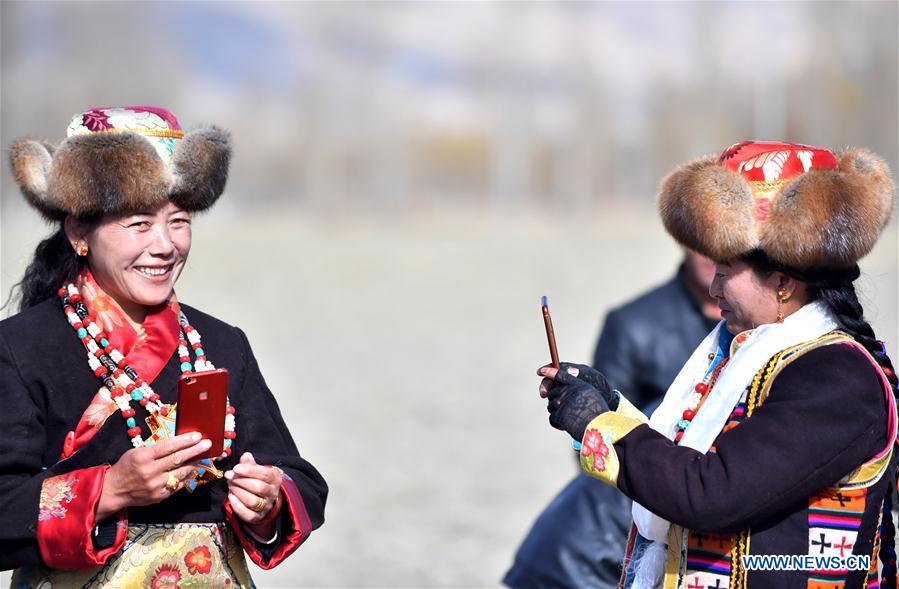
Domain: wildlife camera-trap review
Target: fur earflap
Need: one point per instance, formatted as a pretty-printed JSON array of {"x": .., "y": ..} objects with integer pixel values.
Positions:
[
  {"x": 708, "y": 208},
  {"x": 94, "y": 174},
  {"x": 830, "y": 217},
  {"x": 31, "y": 161},
  {"x": 200, "y": 165}
]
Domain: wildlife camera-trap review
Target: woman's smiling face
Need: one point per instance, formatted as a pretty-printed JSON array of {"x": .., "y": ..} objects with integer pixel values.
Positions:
[{"x": 137, "y": 257}]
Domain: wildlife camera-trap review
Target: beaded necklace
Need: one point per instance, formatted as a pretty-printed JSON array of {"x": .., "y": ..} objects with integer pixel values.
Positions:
[
  {"x": 697, "y": 398},
  {"x": 122, "y": 381}
]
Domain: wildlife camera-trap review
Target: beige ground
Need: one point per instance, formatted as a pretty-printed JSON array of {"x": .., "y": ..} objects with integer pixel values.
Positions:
[{"x": 402, "y": 353}]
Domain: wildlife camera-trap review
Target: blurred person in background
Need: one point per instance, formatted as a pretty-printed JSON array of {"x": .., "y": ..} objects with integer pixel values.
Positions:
[
  {"x": 579, "y": 539},
  {"x": 96, "y": 487},
  {"x": 777, "y": 436}
]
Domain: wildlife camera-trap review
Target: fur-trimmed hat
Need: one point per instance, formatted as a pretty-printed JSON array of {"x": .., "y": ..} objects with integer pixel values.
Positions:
[
  {"x": 805, "y": 207},
  {"x": 122, "y": 159}
]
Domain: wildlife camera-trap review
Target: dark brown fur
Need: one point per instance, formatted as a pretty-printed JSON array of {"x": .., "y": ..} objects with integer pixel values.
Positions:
[
  {"x": 107, "y": 172},
  {"x": 201, "y": 168},
  {"x": 100, "y": 173}
]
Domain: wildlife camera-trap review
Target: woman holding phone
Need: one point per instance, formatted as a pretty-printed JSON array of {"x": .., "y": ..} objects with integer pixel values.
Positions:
[
  {"x": 776, "y": 439},
  {"x": 96, "y": 486}
]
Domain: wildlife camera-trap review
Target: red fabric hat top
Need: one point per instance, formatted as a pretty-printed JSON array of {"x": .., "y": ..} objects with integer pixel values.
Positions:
[{"x": 771, "y": 161}]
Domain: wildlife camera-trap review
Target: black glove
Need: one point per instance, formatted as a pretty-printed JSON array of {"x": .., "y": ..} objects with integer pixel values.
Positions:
[
  {"x": 574, "y": 403},
  {"x": 594, "y": 378}
]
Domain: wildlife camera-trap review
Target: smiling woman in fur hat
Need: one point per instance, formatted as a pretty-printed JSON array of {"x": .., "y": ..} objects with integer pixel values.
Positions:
[
  {"x": 95, "y": 486},
  {"x": 777, "y": 436}
]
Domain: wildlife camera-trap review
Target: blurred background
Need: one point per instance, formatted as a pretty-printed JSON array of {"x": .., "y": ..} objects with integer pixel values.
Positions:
[{"x": 408, "y": 179}]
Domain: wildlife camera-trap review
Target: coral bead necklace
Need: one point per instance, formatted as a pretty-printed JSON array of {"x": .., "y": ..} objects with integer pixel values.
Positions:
[
  {"x": 122, "y": 381},
  {"x": 697, "y": 398}
]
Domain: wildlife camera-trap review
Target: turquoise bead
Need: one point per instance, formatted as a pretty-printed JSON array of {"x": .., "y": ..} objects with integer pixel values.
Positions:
[
  {"x": 130, "y": 421},
  {"x": 227, "y": 443},
  {"x": 683, "y": 424},
  {"x": 149, "y": 442},
  {"x": 137, "y": 395},
  {"x": 199, "y": 352},
  {"x": 576, "y": 445},
  {"x": 104, "y": 342},
  {"x": 185, "y": 367},
  {"x": 82, "y": 332},
  {"x": 192, "y": 484},
  {"x": 200, "y": 471}
]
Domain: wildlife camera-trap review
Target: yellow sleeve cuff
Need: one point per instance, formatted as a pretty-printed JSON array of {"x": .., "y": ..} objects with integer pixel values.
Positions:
[
  {"x": 597, "y": 456},
  {"x": 626, "y": 409}
]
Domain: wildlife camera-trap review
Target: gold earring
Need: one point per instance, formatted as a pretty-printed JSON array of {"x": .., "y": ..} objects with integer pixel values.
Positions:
[
  {"x": 80, "y": 249},
  {"x": 783, "y": 295}
]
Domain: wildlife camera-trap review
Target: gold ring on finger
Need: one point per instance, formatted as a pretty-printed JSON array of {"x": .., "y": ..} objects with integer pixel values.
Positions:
[
  {"x": 260, "y": 505},
  {"x": 172, "y": 483}
]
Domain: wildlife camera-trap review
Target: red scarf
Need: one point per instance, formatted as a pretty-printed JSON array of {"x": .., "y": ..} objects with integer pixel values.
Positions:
[{"x": 147, "y": 349}]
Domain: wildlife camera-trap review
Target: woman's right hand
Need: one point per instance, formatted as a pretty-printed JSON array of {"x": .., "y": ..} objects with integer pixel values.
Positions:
[{"x": 140, "y": 475}]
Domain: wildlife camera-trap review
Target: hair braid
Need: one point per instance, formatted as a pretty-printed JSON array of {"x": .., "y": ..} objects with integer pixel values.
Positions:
[{"x": 843, "y": 302}]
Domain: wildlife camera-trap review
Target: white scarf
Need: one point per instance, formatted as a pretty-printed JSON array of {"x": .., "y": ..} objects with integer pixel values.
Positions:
[{"x": 808, "y": 323}]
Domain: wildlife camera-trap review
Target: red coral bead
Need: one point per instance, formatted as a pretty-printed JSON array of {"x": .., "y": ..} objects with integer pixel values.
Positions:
[
  {"x": 188, "y": 329},
  {"x": 143, "y": 402},
  {"x": 62, "y": 292},
  {"x": 129, "y": 412},
  {"x": 689, "y": 414},
  {"x": 196, "y": 345},
  {"x": 227, "y": 451},
  {"x": 678, "y": 436},
  {"x": 99, "y": 371},
  {"x": 230, "y": 435},
  {"x": 117, "y": 373},
  {"x": 78, "y": 325},
  {"x": 133, "y": 431},
  {"x": 129, "y": 387},
  {"x": 99, "y": 352},
  {"x": 702, "y": 388},
  {"x": 85, "y": 340},
  {"x": 154, "y": 397},
  {"x": 230, "y": 410},
  {"x": 117, "y": 392},
  {"x": 75, "y": 297},
  {"x": 164, "y": 410}
]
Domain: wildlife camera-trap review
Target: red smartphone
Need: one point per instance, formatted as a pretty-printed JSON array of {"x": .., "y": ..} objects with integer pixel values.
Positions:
[{"x": 202, "y": 403}]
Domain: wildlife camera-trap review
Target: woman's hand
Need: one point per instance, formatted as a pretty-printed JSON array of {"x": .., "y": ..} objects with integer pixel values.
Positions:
[
  {"x": 141, "y": 475},
  {"x": 572, "y": 402},
  {"x": 254, "y": 492}
]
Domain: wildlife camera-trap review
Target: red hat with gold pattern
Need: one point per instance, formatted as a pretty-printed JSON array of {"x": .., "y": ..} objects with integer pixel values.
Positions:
[{"x": 804, "y": 206}]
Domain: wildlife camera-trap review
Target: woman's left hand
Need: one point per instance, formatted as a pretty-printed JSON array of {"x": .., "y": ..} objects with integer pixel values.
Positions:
[{"x": 249, "y": 485}]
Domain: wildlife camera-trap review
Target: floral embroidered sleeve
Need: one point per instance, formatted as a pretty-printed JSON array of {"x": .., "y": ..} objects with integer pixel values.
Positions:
[
  {"x": 597, "y": 456},
  {"x": 65, "y": 521},
  {"x": 262, "y": 431}
]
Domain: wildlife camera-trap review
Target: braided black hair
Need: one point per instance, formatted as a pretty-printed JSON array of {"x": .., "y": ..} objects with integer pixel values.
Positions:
[{"x": 834, "y": 287}]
